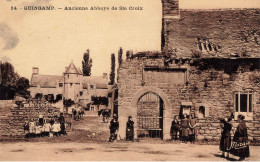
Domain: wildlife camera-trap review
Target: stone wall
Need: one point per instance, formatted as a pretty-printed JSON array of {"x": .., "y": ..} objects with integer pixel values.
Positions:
[
  {"x": 212, "y": 88},
  {"x": 12, "y": 121}
]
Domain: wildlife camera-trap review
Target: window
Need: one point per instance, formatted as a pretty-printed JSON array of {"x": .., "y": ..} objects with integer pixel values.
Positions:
[
  {"x": 91, "y": 86},
  {"x": 68, "y": 76},
  {"x": 201, "y": 113},
  {"x": 201, "y": 110},
  {"x": 70, "y": 84},
  {"x": 243, "y": 102},
  {"x": 81, "y": 93},
  {"x": 60, "y": 84}
]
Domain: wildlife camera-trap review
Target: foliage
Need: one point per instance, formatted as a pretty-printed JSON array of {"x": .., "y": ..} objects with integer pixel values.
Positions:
[
  {"x": 196, "y": 53},
  {"x": 68, "y": 102},
  {"x": 129, "y": 55},
  {"x": 99, "y": 100},
  {"x": 120, "y": 57},
  {"x": 86, "y": 64},
  {"x": 12, "y": 84},
  {"x": 112, "y": 72}
]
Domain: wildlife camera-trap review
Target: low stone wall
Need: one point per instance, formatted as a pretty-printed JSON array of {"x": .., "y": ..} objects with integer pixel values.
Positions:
[{"x": 12, "y": 122}]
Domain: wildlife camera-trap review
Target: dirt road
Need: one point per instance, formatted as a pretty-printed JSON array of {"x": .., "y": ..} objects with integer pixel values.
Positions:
[
  {"x": 113, "y": 151},
  {"x": 87, "y": 142}
]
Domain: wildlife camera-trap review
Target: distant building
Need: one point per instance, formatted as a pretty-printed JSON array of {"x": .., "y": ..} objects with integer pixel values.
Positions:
[{"x": 71, "y": 85}]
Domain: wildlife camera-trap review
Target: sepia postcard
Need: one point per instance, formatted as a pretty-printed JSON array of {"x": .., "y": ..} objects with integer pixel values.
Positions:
[{"x": 129, "y": 80}]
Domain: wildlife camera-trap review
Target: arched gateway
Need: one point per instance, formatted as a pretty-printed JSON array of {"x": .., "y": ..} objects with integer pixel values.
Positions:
[{"x": 150, "y": 120}]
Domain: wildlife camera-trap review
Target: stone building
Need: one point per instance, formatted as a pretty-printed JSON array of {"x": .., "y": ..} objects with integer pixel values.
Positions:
[
  {"x": 209, "y": 65},
  {"x": 71, "y": 85}
]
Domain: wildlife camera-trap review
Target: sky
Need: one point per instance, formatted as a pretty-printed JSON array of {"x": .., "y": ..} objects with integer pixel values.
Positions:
[{"x": 50, "y": 40}]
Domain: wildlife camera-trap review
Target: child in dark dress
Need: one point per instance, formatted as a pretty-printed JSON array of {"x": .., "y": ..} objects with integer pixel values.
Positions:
[{"x": 175, "y": 128}]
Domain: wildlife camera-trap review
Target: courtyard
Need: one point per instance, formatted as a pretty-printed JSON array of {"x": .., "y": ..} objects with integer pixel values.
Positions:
[{"x": 88, "y": 142}]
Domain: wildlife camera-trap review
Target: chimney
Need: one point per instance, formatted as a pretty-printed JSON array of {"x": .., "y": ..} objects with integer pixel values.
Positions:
[
  {"x": 35, "y": 71},
  {"x": 104, "y": 75},
  {"x": 170, "y": 9}
]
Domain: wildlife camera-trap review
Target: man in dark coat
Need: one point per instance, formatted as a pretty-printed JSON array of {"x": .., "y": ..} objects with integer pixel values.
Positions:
[
  {"x": 130, "y": 129},
  {"x": 114, "y": 126},
  {"x": 62, "y": 124}
]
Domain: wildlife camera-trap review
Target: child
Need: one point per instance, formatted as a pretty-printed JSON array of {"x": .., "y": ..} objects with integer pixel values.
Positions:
[
  {"x": 26, "y": 129},
  {"x": 56, "y": 128},
  {"x": 32, "y": 128},
  {"x": 46, "y": 128},
  {"x": 38, "y": 130}
]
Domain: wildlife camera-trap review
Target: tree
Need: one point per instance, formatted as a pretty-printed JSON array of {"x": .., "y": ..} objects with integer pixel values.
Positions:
[
  {"x": 129, "y": 55},
  {"x": 112, "y": 72},
  {"x": 86, "y": 64},
  {"x": 22, "y": 87},
  {"x": 11, "y": 83},
  {"x": 120, "y": 57}
]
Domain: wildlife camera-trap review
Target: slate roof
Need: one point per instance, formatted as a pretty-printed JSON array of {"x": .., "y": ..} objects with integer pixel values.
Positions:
[
  {"x": 47, "y": 81},
  {"x": 72, "y": 69},
  {"x": 225, "y": 33},
  {"x": 95, "y": 80}
]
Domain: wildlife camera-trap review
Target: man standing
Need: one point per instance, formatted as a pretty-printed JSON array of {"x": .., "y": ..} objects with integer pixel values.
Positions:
[
  {"x": 114, "y": 126},
  {"x": 130, "y": 129},
  {"x": 62, "y": 124}
]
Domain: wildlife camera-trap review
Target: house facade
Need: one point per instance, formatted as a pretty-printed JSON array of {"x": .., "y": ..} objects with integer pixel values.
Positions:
[
  {"x": 71, "y": 85},
  {"x": 209, "y": 65}
]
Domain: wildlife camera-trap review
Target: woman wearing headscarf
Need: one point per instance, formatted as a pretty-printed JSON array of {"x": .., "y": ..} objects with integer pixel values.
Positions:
[
  {"x": 240, "y": 145},
  {"x": 225, "y": 141}
]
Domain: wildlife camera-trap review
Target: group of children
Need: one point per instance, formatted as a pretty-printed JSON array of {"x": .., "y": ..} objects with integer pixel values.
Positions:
[
  {"x": 44, "y": 127},
  {"x": 185, "y": 129}
]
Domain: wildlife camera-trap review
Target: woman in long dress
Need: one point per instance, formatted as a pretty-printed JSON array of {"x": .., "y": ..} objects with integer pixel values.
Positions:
[
  {"x": 240, "y": 145},
  {"x": 193, "y": 128},
  {"x": 225, "y": 141},
  {"x": 185, "y": 128}
]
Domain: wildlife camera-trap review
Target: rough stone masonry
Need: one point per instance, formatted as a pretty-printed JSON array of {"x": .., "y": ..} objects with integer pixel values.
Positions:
[{"x": 209, "y": 60}]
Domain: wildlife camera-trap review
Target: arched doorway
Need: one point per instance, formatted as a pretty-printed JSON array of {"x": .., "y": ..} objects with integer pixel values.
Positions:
[{"x": 150, "y": 108}]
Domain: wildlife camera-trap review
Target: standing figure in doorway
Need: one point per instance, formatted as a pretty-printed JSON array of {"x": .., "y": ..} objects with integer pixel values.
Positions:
[
  {"x": 130, "y": 129},
  {"x": 175, "y": 128},
  {"x": 193, "y": 128},
  {"x": 240, "y": 145},
  {"x": 225, "y": 141},
  {"x": 185, "y": 128},
  {"x": 114, "y": 126}
]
